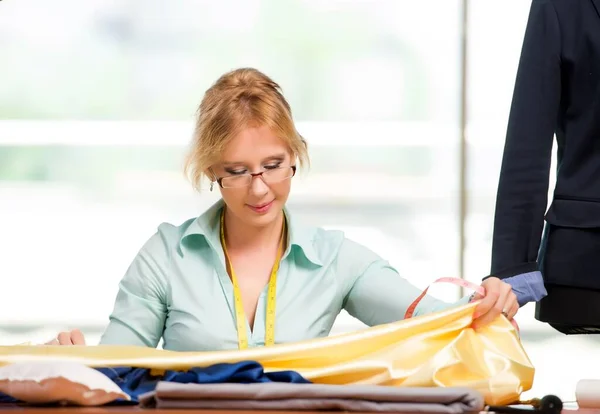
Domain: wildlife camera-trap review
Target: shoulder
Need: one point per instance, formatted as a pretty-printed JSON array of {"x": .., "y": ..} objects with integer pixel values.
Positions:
[
  {"x": 327, "y": 242},
  {"x": 166, "y": 238},
  {"x": 348, "y": 260},
  {"x": 171, "y": 234},
  {"x": 333, "y": 247},
  {"x": 345, "y": 247},
  {"x": 151, "y": 268}
]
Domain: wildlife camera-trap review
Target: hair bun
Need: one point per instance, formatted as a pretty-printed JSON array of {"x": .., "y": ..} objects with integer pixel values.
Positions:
[{"x": 246, "y": 78}]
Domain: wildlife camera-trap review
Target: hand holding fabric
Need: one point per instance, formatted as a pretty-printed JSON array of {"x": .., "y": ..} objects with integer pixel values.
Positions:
[
  {"x": 499, "y": 299},
  {"x": 74, "y": 337}
]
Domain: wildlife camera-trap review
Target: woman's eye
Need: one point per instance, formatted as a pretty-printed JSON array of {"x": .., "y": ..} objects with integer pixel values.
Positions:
[
  {"x": 272, "y": 167},
  {"x": 236, "y": 172}
]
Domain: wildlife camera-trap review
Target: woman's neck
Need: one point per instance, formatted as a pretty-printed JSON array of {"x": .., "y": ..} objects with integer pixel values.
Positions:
[{"x": 241, "y": 236}]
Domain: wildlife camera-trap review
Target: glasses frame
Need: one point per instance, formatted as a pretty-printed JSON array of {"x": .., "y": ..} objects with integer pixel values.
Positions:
[{"x": 219, "y": 180}]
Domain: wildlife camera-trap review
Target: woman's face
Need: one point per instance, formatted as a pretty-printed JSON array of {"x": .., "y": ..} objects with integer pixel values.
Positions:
[{"x": 257, "y": 200}]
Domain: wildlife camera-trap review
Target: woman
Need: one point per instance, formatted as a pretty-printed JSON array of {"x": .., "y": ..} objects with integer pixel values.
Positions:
[{"x": 246, "y": 273}]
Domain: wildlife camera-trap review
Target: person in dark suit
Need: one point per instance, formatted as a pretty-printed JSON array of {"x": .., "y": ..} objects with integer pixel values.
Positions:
[{"x": 557, "y": 92}]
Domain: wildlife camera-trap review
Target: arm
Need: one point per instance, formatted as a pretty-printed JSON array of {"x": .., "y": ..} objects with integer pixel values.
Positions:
[
  {"x": 374, "y": 292},
  {"x": 140, "y": 309},
  {"x": 523, "y": 185}
]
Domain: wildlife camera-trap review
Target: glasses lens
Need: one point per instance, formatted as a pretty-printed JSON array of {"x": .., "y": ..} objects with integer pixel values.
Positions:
[
  {"x": 235, "y": 181},
  {"x": 278, "y": 174}
]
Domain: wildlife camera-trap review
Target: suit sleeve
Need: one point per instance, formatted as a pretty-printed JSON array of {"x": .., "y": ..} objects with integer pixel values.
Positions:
[{"x": 523, "y": 186}]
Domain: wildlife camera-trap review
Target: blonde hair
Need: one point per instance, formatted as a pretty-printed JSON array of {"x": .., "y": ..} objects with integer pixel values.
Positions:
[{"x": 239, "y": 99}]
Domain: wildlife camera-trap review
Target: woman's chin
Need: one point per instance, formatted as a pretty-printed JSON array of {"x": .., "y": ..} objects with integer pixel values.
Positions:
[{"x": 262, "y": 218}]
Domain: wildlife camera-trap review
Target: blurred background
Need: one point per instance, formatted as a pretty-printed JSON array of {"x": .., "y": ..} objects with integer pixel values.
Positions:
[{"x": 97, "y": 103}]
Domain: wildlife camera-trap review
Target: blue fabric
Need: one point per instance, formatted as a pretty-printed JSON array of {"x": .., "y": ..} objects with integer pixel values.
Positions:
[
  {"x": 5, "y": 399},
  {"x": 136, "y": 381},
  {"x": 529, "y": 287}
]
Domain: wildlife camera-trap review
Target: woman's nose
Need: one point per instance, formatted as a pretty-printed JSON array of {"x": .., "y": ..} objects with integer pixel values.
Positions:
[{"x": 258, "y": 186}]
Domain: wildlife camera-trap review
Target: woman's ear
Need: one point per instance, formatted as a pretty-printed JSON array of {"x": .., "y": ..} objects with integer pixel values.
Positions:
[{"x": 211, "y": 176}]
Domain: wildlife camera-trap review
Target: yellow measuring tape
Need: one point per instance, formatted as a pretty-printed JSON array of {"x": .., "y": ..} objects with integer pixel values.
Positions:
[{"x": 240, "y": 316}]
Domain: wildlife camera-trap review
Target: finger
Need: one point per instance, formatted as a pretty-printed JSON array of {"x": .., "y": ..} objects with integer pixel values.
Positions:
[
  {"x": 496, "y": 309},
  {"x": 64, "y": 338},
  {"x": 513, "y": 310},
  {"x": 511, "y": 306},
  {"x": 486, "y": 304},
  {"x": 477, "y": 296},
  {"x": 77, "y": 337},
  {"x": 52, "y": 342},
  {"x": 515, "y": 325}
]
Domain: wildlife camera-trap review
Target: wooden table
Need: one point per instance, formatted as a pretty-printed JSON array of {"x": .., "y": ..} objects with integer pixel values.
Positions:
[{"x": 137, "y": 410}]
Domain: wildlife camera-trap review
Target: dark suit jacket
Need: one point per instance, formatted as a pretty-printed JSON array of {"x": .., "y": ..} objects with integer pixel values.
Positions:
[{"x": 557, "y": 91}]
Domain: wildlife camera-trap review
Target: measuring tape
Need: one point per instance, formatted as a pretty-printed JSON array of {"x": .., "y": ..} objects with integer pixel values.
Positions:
[
  {"x": 240, "y": 315},
  {"x": 480, "y": 290},
  {"x": 455, "y": 281}
]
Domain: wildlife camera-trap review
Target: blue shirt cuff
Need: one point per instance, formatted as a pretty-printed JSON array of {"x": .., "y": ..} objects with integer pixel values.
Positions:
[{"x": 529, "y": 287}]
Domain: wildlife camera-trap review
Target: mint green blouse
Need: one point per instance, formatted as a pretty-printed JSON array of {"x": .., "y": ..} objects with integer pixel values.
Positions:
[{"x": 177, "y": 288}]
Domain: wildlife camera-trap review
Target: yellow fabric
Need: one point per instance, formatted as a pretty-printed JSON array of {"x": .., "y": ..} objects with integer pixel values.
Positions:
[{"x": 438, "y": 349}]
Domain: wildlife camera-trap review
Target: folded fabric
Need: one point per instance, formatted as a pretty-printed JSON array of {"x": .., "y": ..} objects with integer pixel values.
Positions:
[
  {"x": 313, "y": 397},
  {"x": 136, "y": 381},
  {"x": 44, "y": 382}
]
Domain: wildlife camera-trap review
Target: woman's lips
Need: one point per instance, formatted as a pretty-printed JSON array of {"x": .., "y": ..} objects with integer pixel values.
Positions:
[{"x": 261, "y": 208}]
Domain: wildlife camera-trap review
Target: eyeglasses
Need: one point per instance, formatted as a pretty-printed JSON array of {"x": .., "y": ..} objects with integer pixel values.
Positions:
[{"x": 270, "y": 176}]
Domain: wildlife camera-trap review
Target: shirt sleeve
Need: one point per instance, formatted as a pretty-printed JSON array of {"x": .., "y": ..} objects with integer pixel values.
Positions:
[
  {"x": 522, "y": 195},
  {"x": 140, "y": 309},
  {"x": 374, "y": 292},
  {"x": 529, "y": 287}
]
